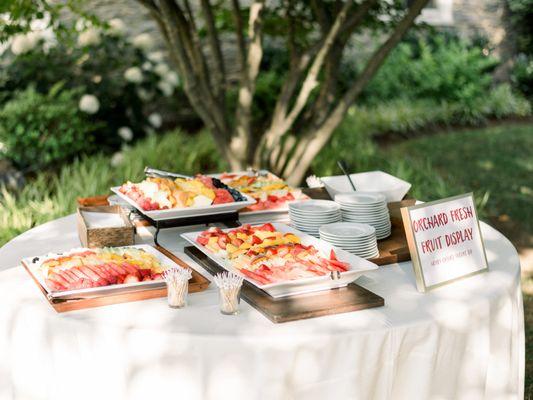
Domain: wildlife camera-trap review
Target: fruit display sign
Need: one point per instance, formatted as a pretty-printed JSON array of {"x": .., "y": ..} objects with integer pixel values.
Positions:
[{"x": 444, "y": 240}]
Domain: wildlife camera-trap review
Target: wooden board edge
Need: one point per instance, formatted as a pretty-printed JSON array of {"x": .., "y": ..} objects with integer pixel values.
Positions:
[{"x": 197, "y": 284}]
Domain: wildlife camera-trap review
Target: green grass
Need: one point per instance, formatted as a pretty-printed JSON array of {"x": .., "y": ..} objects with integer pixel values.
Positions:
[{"x": 497, "y": 161}]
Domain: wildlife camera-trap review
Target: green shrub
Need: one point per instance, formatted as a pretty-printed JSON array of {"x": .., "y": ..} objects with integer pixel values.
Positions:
[
  {"x": 99, "y": 65},
  {"x": 522, "y": 74},
  {"x": 444, "y": 69},
  {"x": 40, "y": 130}
]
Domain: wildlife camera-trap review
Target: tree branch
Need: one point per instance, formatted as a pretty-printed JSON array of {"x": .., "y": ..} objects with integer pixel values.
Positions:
[
  {"x": 239, "y": 30},
  {"x": 316, "y": 137},
  {"x": 250, "y": 63},
  {"x": 281, "y": 121},
  {"x": 219, "y": 74}
]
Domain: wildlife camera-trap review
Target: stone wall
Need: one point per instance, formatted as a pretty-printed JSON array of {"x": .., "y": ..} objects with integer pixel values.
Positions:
[
  {"x": 470, "y": 17},
  {"x": 481, "y": 18},
  {"x": 136, "y": 17}
]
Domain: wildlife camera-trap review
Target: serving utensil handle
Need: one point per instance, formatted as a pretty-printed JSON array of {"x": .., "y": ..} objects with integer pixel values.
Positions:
[
  {"x": 342, "y": 166},
  {"x": 149, "y": 171}
]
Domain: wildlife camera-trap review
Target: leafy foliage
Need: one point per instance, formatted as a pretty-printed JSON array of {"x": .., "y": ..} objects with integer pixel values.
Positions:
[
  {"x": 521, "y": 16},
  {"x": 52, "y": 195},
  {"x": 94, "y": 61},
  {"x": 443, "y": 69},
  {"x": 39, "y": 130}
]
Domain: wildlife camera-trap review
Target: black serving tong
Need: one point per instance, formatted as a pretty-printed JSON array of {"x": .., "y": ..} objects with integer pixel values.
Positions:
[
  {"x": 343, "y": 167},
  {"x": 152, "y": 172}
]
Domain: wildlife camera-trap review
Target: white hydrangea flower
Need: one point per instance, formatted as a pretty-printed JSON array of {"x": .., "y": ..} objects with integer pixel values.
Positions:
[
  {"x": 117, "y": 159},
  {"x": 133, "y": 75},
  {"x": 166, "y": 87},
  {"x": 90, "y": 37},
  {"x": 143, "y": 41},
  {"x": 146, "y": 66},
  {"x": 155, "y": 120},
  {"x": 161, "y": 69},
  {"x": 117, "y": 27},
  {"x": 143, "y": 94},
  {"x": 24, "y": 43},
  {"x": 125, "y": 133},
  {"x": 80, "y": 25},
  {"x": 172, "y": 78},
  {"x": 89, "y": 104},
  {"x": 156, "y": 56}
]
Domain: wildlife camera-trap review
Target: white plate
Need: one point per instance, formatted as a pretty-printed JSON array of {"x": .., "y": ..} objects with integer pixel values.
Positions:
[
  {"x": 344, "y": 245},
  {"x": 360, "y": 198},
  {"x": 314, "y": 206},
  {"x": 344, "y": 229},
  {"x": 33, "y": 264},
  {"x": 349, "y": 242},
  {"x": 358, "y": 266},
  {"x": 393, "y": 188},
  {"x": 316, "y": 218},
  {"x": 354, "y": 243},
  {"x": 158, "y": 215},
  {"x": 366, "y": 210}
]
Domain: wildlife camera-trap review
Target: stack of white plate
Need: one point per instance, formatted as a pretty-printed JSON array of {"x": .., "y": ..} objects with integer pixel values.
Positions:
[
  {"x": 366, "y": 208},
  {"x": 358, "y": 239},
  {"x": 309, "y": 215}
]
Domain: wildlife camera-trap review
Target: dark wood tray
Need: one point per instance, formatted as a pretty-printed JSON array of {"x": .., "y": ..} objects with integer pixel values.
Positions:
[
  {"x": 197, "y": 283},
  {"x": 350, "y": 298}
]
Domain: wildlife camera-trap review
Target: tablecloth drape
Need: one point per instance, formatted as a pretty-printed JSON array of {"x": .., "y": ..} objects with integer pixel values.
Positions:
[{"x": 461, "y": 341}]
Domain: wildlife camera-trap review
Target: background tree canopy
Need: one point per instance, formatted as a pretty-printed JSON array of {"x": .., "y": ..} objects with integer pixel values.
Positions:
[{"x": 313, "y": 95}]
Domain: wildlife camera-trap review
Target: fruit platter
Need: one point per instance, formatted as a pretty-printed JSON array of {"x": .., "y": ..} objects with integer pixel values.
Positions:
[
  {"x": 166, "y": 198},
  {"x": 279, "y": 259},
  {"x": 84, "y": 272},
  {"x": 270, "y": 192}
]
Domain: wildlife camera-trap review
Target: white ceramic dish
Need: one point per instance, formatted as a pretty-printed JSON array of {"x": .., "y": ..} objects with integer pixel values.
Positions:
[
  {"x": 33, "y": 264},
  {"x": 158, "y": 215},
  {"x": 358, "y": 266},
  {"x": 314, "y": 207},
  {"x": 394, "y": 189}
]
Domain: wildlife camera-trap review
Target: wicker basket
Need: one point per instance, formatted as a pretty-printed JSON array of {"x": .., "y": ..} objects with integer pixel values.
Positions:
[{"x": 105, "y": 237}]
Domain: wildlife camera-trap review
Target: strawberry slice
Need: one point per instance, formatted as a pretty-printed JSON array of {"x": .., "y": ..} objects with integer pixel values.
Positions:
[
  {"x": 202, "y": 240},
  {"x": 332, "y": 255},
  {"x": 256, "y": 240},
  {"x": 222, "y": 242},
  {"x": 237, "y": 242},
  {"x": 267, "y": 227}
]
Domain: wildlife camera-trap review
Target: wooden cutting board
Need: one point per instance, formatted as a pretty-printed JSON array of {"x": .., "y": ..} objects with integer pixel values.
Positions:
[
  {"x": 197, "y": 283},
  {"x": 327, "y": 302}
]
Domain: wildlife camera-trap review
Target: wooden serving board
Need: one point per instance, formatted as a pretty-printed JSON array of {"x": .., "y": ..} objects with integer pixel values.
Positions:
[
  {"x": 327, "y": 302},
  {"x": 197, "y": 283}
]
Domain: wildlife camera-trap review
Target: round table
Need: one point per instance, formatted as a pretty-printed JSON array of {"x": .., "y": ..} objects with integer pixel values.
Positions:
[{"x": 461, "y": 341}]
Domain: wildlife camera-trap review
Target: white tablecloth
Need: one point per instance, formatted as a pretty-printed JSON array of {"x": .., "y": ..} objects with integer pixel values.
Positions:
[{"x": 462, "y": 341}]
